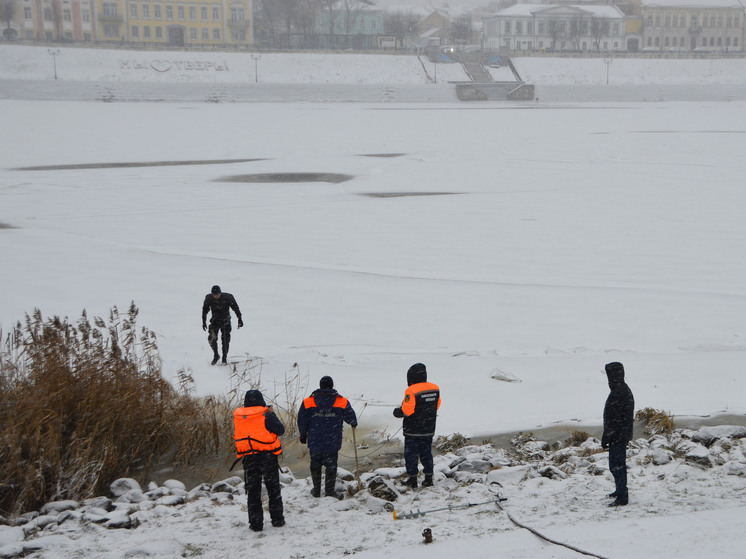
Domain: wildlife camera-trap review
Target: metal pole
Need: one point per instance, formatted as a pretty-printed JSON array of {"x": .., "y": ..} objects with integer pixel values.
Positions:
[
  {"x": 54, "y": 54},
  {"x": 357, "y": 464}
]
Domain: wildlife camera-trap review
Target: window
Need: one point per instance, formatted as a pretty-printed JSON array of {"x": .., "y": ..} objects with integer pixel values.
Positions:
[
  {"x": 237, "y": 15},
  {"x": 146, "y": 11},
  {"x": 193, "y": 34},
  {"x": 541, "y": 28},
  {"x": 135, "y": 32},
  {"x": 518, "y": 28},
  {"x": 158, "y": 32},
  {"x": 205, "y": 34},
  {"x": 157, "y": 11},
  {"x": 238, "y": 35},
  {"x": 650, "y": 21},
  {"x": 720, "y": 41},
  {"x": 712, "y": 41},
  {"x": 683, "y": 22},
  {"x": 507, "y": 28},
  {"x": 529, "y": 28},
  {"x": 67, "y": 16},
  {"x": 85, "y": 15},
  {"x": 193, "y": 13},
  {"x": 169, "y": 13},
  {"x": 133, "y": 11},
  {"x": 146, "y": 32},
  {"x": 657, "y": 41},
  {"x": 27, "y": 13},
  {"x": 720, "y": 21},
  {"x": 180, "y": 13},
  {"x": 657, "y": 21},
  {"x": 215, "y": 13},
  {"x": 694, "y": 22},
  {"x": 203, "y": 13},
  {"x": 728, "y": 22},
  {"x": 650, "y": 42},
  {"x": 668, "y": 21},
  {"x": 675, "y": 21},
  {"x": 47, "y": 14},
  {"x": 216, "y": 34},
  {"x": 111, "y": 31},
  {"x": 735, "y": 41}
]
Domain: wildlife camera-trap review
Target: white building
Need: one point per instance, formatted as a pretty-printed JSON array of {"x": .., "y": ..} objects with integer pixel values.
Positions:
[
  {"x": 542, "y": 27},
  {"x": 693, "y": 25}
]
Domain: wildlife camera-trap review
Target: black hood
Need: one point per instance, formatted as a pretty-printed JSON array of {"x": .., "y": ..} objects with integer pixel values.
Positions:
[
  {"x": 417, "y": 373},
  {"x": 253, "y": 398},
  {"x": 615, "y": 373}
]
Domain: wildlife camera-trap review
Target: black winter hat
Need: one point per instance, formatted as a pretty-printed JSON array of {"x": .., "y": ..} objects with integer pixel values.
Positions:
[
  {"x": 326, "y": 383},
  {"x": 416, "y": 373},
  {"x": 253, "y": 398},
  {"x": 215, "y": 289},
  {"x": 615, "y": 370}
]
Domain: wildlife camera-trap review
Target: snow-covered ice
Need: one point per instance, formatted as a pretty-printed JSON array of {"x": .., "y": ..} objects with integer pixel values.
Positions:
[{"x": 514, "y": 248}]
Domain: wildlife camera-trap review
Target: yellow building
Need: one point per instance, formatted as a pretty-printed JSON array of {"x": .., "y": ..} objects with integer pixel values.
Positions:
[{"x": 176, "y": 23}]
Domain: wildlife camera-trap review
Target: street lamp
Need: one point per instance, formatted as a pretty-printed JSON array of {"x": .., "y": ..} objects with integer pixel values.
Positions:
[
  {"x": 256, "y": 58},
  {"x": 607, "y": 61},
  {"x": 54, "y": 53}
]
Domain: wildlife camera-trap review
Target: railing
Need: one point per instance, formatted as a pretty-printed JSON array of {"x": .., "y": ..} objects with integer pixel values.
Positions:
[{"x": 111, "y": 18}]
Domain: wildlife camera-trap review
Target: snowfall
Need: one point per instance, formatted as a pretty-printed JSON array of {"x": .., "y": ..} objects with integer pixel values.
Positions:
[{"x": 512, "y": 247}]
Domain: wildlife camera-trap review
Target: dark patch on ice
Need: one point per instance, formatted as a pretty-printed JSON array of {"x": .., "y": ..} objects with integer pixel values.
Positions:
[
  {"x": 135, "y": 164},
  {"x": 288, "y": 177},
  {"x": 383, "y": 154},
  {"x": 405, "y": 194},
  {"x": 6, "y": 226}
]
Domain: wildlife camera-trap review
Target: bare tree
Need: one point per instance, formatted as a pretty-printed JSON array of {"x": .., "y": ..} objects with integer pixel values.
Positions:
[
  {"x": 7, "y": 13},
  {"x": 461, "y": 29},
  {"x": 599, "y": 30},
  {"x": 400, "y": 25},
  {"x": 352, "y": 9},
  {"x": 266, "y": 14},
  {"x": 578, "y": 29},
  {"x": 554, "y": 27}
]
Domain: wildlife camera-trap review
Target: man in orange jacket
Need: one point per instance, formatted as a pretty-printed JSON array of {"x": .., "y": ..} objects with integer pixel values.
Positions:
[
  {"x": 257, "y": 431},
  {"x": 419, "y": 410}
]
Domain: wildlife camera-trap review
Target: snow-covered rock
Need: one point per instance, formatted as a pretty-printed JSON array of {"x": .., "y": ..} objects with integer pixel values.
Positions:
[{"x": 124, "y": 485}]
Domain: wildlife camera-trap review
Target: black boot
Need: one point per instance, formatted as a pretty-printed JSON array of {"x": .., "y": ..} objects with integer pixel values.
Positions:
[
  {"x": 411, "y": 481},
  {"x": 428, "y": 480},
  {"x": 330, "y": 482},
  {"x": 224, "y": 360},
  {"x": 215, "y": 359},
  {"x": 316, "y": 480}
]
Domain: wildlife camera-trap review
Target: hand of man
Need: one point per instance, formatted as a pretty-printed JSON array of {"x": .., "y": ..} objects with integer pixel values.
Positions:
[
  {"x": 240, "y": 323},
  {"x": 302, "y": 440},
  {"x": 204, "y": 327}
]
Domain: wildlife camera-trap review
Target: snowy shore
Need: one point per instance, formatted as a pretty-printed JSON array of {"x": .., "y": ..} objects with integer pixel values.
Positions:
[{"x": 687, "y": 492}]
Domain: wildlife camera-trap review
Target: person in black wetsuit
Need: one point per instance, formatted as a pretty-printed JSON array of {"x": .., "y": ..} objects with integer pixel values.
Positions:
[{"x": 219, "y": 305}]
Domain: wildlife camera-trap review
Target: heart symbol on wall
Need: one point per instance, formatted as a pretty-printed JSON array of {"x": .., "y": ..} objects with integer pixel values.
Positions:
[{"x": 160, "y": 65}]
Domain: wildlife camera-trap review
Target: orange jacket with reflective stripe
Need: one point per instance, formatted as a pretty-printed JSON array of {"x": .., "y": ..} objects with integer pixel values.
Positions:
[
  {"x": 420, "y": 406},
  {"x": 251, "y": 434}
]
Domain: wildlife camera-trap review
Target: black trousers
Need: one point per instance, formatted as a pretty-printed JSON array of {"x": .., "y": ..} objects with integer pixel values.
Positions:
[
  {"x": 329, "y": 461},
  {"x": 256, "y": 467},
  {"x": 618, "y": 468},
  {"x": 224, "y": 328},
  {"x": 418, "y": 448}
]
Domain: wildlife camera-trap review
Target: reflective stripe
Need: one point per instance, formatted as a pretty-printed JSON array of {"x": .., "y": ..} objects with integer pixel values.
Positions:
[
  {"x": 340, "y": 402},
  {"x": 309, "y": 402},
  {"x": 250, "y": 433}
]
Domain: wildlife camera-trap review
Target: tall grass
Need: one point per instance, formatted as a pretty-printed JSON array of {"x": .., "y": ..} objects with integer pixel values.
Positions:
[{"x": 84, "y": 403}]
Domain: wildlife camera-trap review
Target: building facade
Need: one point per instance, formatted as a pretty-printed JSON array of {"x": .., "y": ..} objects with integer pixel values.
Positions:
[
  {"x": 176, "y": 23},
  {"x": 693, "y": 25},
  {"x": 156, "y": 22},
  {"x": 556, "y": 28},
  {"x": 51, "y": 20}
]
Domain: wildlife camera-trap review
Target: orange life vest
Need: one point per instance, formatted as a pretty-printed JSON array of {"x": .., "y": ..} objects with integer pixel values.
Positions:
[{"x": 250, "y": 433}]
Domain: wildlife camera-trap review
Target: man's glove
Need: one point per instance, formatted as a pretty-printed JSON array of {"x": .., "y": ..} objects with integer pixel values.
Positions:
[
  {"x": 604, "y": 443},
  {"x": 204, "y": 327},
  {"x": 240, "y": 323},
  {"x": 302, "y": 439}
]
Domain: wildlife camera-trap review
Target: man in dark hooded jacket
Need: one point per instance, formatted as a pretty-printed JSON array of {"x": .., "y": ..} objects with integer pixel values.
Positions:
[
  {"x": 419, "y": 410},
  {"x": 219, "y": 305},
  {"x": 619, "y": 414},
  {"x": 257, "y": 432},
  {"x": 320, "y": 420}
]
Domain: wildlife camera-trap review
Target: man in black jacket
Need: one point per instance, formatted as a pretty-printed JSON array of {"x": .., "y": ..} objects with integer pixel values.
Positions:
[
  {"x": 619, "y": 414},
  {"x": 419, "y": 410},
  {"x": 219, "y": 305}
]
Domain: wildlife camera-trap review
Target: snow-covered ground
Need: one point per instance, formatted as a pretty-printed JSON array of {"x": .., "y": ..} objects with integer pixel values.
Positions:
[{"x": 543, "y": 240}]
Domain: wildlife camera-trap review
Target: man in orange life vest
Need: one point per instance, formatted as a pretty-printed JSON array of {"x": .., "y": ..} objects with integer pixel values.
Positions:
[
  {"x": 419, "y": 410},
  {"x": 257, "y": 431},
  {"x": 320, "y": 420}
]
